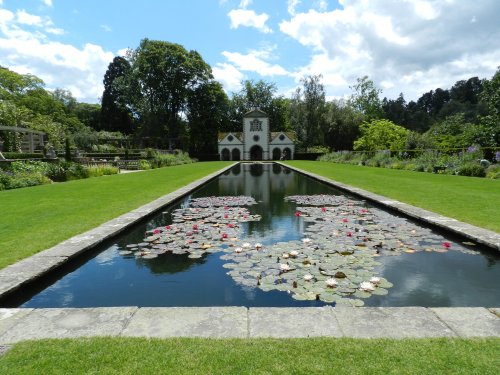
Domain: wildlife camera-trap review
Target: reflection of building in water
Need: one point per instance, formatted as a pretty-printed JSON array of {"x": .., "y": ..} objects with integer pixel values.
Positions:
[
  {"x": 256, "y": 180},
  {"x": 256, "y": 142}
]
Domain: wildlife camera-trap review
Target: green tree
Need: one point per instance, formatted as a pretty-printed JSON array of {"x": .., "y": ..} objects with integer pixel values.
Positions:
[
  {"x": 162, "y": 75},
  {"x": 342, "y": 125},
  {"x": 116, "y": 114},
  {"x": 381, "y": 135},
  {"x": 366, "y": 98}
]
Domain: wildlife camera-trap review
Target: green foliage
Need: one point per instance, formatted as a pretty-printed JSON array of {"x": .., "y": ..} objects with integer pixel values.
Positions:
[
  {"x": 102, "y": 170},
  {"x": 67, "y": 150},
  {"x": 366, "y": 98},
  {"x": 472, "y": 169},
  {"x": 493, "y": 171},
  {"x": 144, "y": 164},
  {"x": 381, "y": 135},
  {"x": 22, "y": 155}
]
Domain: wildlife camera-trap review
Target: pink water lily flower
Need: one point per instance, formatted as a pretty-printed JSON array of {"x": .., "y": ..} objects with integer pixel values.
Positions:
[
  {"x": 156, "y": 231},
  {"x": 297, "y": 213},
  {"x": 323, "y": 209},
  {"x": 446, "y": 245}
]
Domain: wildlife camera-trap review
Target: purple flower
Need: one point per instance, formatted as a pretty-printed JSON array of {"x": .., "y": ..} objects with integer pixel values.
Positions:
[
  {"x": 472, "y": 149},
  {"x": 497, "y": 156}
]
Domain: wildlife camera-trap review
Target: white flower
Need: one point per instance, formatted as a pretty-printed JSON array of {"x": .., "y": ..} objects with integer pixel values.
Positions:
[
  {"x": 308, "y": 277},
  {"x": 285, "y": 256},
  {"x": 306, "y": 240},
  {"x": 238, "y": 250},
  {"x": 331, "y": 282},
  {"x": 284, "y": 267},
  {"x": 375, "y": 280},
  {"x": 258, "y": 246},
  {"x": 246, "y": 245},
  {"x": 293, "y": 253},
  {"x": 366, "y": 286}
]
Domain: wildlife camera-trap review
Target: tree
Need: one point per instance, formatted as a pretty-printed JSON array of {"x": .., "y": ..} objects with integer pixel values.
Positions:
[
  {"x": 342, "y": 126},
  {"x": 366, "y": 98},
  {"x": 116, "y": 114},
  {"x": 206, "y": 114},
  {"x": 381, "y": 135},
  {"x": 260, "y": 95},
  {"x": 162, "y": 75}
]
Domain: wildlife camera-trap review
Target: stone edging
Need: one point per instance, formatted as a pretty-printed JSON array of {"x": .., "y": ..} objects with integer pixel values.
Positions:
[
  {"x": 255, "y": 322},
  {"x": 480, "y": 235},
  {"x": 29, "y": 269}
]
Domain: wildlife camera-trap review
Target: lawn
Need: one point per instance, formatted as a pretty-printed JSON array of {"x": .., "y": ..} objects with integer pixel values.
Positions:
[
  {"x": 253, "y": 356},
  {"x": 36, "y": 218},
  {"x": 469, "y": 199}
]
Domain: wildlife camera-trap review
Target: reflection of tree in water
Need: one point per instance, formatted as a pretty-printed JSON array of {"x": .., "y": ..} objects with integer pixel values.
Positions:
[
  {"x": 256, "y": 170},
  {"x": 170, "y": 263},
  {"x": 236, "y": 170}
]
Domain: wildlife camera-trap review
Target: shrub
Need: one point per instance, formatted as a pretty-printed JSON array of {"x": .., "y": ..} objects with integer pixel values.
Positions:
[
  {"x": 144, "y": 164},
  {"x": 10, "y": 180},
  {"x": 471, "y": 169},
  {"x": 493, "y": 171},
  {"x": 102, "y": 170},
  {"x": 22, "y": 155}
]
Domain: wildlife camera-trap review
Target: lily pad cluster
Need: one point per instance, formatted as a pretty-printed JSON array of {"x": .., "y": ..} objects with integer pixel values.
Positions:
[
  {"x": 322, "y": 200},
  {"x": 194, "y": 231},
  {"x": 224, "y": 201},
  {"x": 308, "y": 270}
]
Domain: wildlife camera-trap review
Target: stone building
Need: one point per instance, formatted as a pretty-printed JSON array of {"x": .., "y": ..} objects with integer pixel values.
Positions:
[{"x": 256, "y": 142}]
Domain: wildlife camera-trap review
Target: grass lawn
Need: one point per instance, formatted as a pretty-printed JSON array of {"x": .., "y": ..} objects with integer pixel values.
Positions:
[
  {"x": 469, "y": 199},
  {"x": 36, "y": 218},
  {"x": 263, "y": 356}
]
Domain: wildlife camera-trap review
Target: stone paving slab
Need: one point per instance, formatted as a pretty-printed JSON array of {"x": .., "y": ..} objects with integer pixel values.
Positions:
[
  {"x": 293, "y": 322},
  {"x": 470, "y": 321},
  {"x": 188, "y": 322},
  {"x": 391, "y": 322},
  {"x": 10, "y": 317},
  {"x": 69, "y": 323},
  {"x": 480, "y": 235}
]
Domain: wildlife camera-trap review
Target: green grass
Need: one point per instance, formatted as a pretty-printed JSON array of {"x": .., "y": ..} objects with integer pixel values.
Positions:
[
  {"x": 36, "y": 218},
  {"x": 469, "y": 199},
  {"x": 263, "y": 356}
]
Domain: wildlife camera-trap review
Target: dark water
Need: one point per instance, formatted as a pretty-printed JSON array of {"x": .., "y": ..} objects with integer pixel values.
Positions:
[{"x": 108, "y": 279}]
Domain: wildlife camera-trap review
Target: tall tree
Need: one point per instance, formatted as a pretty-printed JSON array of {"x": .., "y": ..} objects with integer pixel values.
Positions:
[
  {"x": 162, "y": 75},
  {"x": 342, "y": 125},
  {"x": 366, "y": 98},
  {"x": 115, "y": 104}
]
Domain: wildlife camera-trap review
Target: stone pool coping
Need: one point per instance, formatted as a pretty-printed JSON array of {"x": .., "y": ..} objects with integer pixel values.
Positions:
[
  {"x": 480, "y": 235},
  {"x": 20, "y": 324}
]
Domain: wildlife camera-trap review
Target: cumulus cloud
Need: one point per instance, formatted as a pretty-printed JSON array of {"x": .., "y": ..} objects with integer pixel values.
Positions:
[
  {"x": 47, "y": 2},
  {"x": 412, "y": 46},
  {"x": 26, "y": 46},
  {"x": 229, "y": 76},
  {"x": 244, "y": 17},
  {"x": 255, "y": 61},
  {"x": 106, "y": 28},
  {"x": 292, "y": 5}
]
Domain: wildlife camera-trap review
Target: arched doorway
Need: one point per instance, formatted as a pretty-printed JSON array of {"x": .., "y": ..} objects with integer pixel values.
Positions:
[
  {"x": 235, "y": 154},
  {"x": 256, "y": 153},
  {"x": 287, "y": 154},
  {"x": 224, "y": 155},
  {"x": 276, "y": 154}
]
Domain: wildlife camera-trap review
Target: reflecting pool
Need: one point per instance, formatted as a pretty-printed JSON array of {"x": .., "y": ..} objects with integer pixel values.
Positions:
[{"x": 419, "y": 268}]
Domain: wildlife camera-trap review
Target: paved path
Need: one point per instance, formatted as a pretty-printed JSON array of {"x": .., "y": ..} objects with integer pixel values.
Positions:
[{"x": 242, "y": 322}]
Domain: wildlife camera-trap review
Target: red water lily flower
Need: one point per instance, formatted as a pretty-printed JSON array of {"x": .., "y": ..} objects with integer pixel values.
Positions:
[
  {"x": 349, "y": 234},
  {"x": 195, "y": 227},
  {"x": 156, "y": 231},
  {"x": 344, "y": 220},
  {"x": 297, "y": 213},
  {"x": 323, "y": 209},
  {"x": 446, "y": 245},
  {"x": 168, "y": 227},
  {"x": 226, "y": 216},
  {"x": 230, "y": 225},
  {"x": 224, "y": 235}
]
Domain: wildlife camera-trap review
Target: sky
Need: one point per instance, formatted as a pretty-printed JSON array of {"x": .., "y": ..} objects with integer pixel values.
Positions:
[{"x": 408, "y": 46}]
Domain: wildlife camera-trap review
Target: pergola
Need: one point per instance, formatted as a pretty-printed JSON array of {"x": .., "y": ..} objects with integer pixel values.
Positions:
[{"x": 31, "y": 138}]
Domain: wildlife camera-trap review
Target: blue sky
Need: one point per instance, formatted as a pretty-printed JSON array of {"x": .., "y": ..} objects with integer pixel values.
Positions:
[{"x": 409, "y": 46}]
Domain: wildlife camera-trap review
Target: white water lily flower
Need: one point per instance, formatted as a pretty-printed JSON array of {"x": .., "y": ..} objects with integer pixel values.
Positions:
[
  {"x": 306, "y": 240},
  {"x": 285, "y": 256},
  {"x": 375, "y": 280},
  {"x": 284, "y": 267},
  {"x": 366, "y": 286},
  {"x": 331, "y": 282},
  {"x": 258, "y": 246},
  {"x": 293, "y": 253},
  {"x": 308, "y": 277},
  {"x": 246, "y": 245},
  {"x": 238, "y": 249}
]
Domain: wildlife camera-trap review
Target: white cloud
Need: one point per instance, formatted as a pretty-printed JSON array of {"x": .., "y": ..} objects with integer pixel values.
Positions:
[
  {"x": 47, "y": 2},
  {"x": 229, "y": 76},
  {"x": 245, "y": 3},
  {"x": 243, "y": 17},
  {"x": 26, "y": 47},
  {"x": 106, "y": 28},
  {"x": 255, "y": 61},
  {"x": 292, "y": 5},
  {"x": 412, "y": 46}
]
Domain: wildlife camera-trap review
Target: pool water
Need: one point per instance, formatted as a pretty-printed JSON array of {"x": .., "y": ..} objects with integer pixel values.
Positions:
[{"x": 107, "y": 278}]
